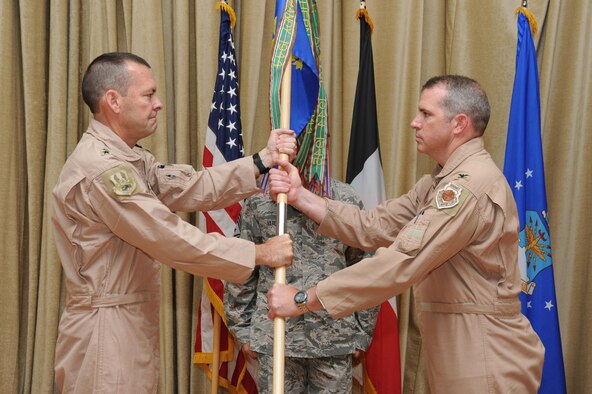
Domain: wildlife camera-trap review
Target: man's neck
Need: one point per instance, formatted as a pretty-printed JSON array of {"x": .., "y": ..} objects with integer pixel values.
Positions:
[{"x": 115, "y": 128}]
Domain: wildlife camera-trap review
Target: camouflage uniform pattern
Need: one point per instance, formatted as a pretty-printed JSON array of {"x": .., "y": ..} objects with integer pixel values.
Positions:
[
  {"x": 312, "y": 335},
  {"x": 322, "y": 375}
]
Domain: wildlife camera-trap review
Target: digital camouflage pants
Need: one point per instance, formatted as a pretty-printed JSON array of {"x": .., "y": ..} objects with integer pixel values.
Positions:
[{"x": 308, "y": 375}]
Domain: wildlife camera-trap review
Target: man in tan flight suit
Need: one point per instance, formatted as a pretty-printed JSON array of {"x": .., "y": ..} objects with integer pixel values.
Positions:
[
  {"x": 453, "y": 237},
  {"x": 114, "y": 225}
]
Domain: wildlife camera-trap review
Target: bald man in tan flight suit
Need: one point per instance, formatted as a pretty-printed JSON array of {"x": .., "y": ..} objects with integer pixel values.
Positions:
[{"x": 453, "y": 237}]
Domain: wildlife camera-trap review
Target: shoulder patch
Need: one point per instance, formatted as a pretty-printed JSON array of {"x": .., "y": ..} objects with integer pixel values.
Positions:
[
  {"x": 450, "y": 198},
  {"x": 122, "y": 181}
]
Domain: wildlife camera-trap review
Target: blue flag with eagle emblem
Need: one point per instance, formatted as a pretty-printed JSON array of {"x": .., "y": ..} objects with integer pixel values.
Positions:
[{"x": 524, "y": 171}]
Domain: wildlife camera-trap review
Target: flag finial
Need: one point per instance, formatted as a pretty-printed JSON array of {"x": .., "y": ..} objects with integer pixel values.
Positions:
[
  {"x": 531, "y": 19},
  {"x": 224, "y": 6},
  {"x": 363, "y": 13}
]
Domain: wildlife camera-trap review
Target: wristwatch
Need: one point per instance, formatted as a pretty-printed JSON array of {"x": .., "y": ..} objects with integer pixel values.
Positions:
[
  {"x": 259, "y": 164},
  {"x": 301, "y": 298}
]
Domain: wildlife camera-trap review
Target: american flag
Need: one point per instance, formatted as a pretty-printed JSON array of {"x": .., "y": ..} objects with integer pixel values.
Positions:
[
  {"x": 224, "y": 138},
  {"x": 224, "y": 142}
]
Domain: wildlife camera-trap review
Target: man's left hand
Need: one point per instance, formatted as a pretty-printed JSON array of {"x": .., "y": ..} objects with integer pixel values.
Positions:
[{"x": 280, "y": 301}]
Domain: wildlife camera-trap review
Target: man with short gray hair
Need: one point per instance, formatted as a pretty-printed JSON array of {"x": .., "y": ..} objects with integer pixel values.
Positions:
[{"x": 453, "y": 237}]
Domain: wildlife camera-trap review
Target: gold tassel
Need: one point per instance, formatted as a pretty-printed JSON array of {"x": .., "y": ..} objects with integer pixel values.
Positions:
[
  {"x": 223, "y": 5},
  {"x": 362, "y": 13},
  {"x": 531, "y": 20}
]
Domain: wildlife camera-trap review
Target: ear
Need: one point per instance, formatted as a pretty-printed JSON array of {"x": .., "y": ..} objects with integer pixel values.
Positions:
[
  {"x": 112, "y": 100},
  {"x": 461, "y": 123}
]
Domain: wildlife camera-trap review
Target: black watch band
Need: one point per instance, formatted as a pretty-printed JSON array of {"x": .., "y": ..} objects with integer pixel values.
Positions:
[{"x": 259, "y": 164}]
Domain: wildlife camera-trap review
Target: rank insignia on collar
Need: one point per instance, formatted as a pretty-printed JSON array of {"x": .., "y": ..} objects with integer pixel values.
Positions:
[
  {"x": 462, "y": 175},
  {"x": 448, "y": 196},
  {"x": 123, "y": 183}
]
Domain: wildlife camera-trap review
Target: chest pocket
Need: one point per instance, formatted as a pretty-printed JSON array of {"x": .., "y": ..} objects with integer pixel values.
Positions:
[{"x": 411, "y": 236}]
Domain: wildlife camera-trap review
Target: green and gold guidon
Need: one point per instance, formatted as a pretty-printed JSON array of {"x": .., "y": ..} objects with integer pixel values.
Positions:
[
  {"x": 282, "y": 46},
  {"x": 312, "y": 157}
]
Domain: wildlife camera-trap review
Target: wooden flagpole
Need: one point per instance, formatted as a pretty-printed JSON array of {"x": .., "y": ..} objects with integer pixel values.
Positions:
[
  {"x": 279, "y": 323},
  {"x": 216, "y": 352}
]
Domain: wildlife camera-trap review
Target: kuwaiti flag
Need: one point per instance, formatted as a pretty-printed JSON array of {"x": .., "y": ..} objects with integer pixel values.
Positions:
[
  {"x": 224, "y": 142},
  {"x": 382, "y": 372},
  {"x": 524, "y": 170}
]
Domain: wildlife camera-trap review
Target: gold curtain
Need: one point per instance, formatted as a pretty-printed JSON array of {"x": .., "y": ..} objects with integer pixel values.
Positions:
[{"x": 47, "y": 45}]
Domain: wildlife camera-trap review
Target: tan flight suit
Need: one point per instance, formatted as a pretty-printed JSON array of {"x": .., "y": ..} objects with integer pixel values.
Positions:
[
  {"x": 454, "y": 237},
  {"x": 113, "y": 225}
]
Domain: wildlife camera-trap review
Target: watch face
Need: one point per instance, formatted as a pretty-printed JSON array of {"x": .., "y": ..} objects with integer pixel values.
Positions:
[{"x": 300, "y": 297}]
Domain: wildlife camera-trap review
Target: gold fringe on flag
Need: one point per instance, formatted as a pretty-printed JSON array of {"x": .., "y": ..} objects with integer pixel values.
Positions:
[
  {"x": 531, "y": 20},
  {"x": 223, "y": 5},
  {"x": 363, "y": 13}
]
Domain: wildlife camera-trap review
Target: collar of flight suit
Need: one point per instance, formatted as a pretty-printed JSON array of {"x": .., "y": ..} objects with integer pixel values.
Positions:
[
  {"x": 461, "y": 153},
  {"x": 112, "y": 141}
]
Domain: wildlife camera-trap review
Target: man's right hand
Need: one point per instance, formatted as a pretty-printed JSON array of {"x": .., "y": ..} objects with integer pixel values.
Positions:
[
  {"x": 276, "y": 252},
  {"x": 285, "y": 179}
]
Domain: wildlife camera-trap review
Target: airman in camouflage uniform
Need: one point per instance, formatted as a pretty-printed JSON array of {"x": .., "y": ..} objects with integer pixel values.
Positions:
[{"x": 318, "y": 349}]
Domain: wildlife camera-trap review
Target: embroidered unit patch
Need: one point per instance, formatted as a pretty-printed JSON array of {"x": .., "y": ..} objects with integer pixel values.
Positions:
[
  {"x": 123, "y": 183},
  {"x": 448, "y": 196}
]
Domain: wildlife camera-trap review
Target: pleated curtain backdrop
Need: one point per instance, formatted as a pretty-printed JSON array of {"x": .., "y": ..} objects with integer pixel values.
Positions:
[{"x": 46, "y": 47}]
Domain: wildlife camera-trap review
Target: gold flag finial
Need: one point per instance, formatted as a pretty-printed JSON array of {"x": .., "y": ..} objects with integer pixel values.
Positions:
[
  {"x": 531, "y": 20},
  {"x": 223, "y": 5},
  {"x": 363, "y": 13}
]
